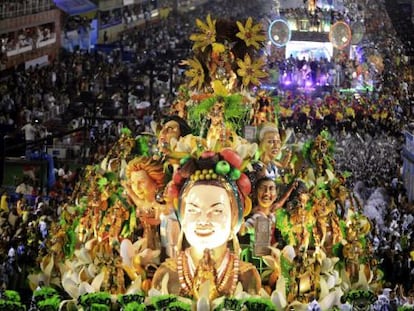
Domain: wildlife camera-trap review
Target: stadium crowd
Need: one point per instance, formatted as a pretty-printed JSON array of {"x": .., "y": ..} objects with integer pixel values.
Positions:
[{"x": 102, "y": 93}]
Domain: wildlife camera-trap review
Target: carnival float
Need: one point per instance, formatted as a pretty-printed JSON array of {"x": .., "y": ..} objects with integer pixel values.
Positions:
[{"x": 217, "y": 209}]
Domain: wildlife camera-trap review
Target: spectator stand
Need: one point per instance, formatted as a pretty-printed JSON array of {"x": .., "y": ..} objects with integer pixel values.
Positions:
[{"x": 408, "y": 165}]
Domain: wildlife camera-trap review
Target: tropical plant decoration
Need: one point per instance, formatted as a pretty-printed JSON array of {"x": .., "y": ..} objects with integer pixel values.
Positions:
[{"x": 235, "y": 113}]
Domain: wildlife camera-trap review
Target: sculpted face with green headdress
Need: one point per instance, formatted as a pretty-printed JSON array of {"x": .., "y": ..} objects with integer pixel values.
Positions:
[{"x": 210, "y": 206}]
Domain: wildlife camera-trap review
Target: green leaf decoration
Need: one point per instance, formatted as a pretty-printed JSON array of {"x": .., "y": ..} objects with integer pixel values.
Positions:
[
  {"x": 234, "y": 107},
  {"x": 276, "y": 108},
  {"x": 229, "y": 304},
  {"x": 197, "y": 113},
  {"x": 258, "y": 304},
  {"x": 6, "y": 305},
  {"x": 99, "y": 307},
  {"x": 286, "y": 266},
  {"x": 110, "y": 176},
  {"x": 126, "y": 299},
  {"x": 283, "y": 223},
  {"x": 337, "y": 250},
  {"x": 126, "y": 131},
  {"x": 363, "y": 241},
  {"x": 87, "y": 300},
  {"x": 69, "y": 247},
  {"x": 342, "y": 226},
  {"x": 306, "y": 148},
  {"x": 102, "y": 182},
  {"x": 50, "y": 304},
  {"x": 113, "y": 198},
  {"x": 163, "y": 301},
  {"x": 143, "y": 145},
  {"x": 359, "y": 294},
  {"x": 134, "y": 306},
  {"x": 44, "y": 293},
  {"x": 11, "y": 295},
  {"x": 179, "y": 306},
  {"x": 234, "y": 112}
]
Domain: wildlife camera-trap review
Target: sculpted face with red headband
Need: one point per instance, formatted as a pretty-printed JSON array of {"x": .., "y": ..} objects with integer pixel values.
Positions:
[{"x": 210, "y": 196}]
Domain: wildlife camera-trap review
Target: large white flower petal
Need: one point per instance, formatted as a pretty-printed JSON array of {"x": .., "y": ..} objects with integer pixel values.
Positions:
[
  {"x": 279, "y": 300},
  {"x": 149, "y": 256},
  {"x": 204, "y": 291},
  {"x": 71, "y": 275},
  {"x": 70, "y": 287},
  {"x": 46, "y": 266},
  {"x": 82, "y": 257},
  {"x": 203, "y": 304},
  {"x": 239, "y": 293},
  {"x": 263, "y": 293},
  {"x": 275, "y": 251},
  {"x": 68, "y": 305},
  {"x": 278, "y": 296},
  {"x": 140, "y": 244},
  {"x": 135, "y": 286},
  {"x": 35, "y": 279},
  {"x": 97, "y": 281},
  {"x": 331, "y": 300},
  {"x": 92, "y": 270},
  {"x": 89, "y": 245},
  {"x": 126, "y": 250},
  {"x": 154, "y": 292},
  {"x": 289, "y": 252},
  {"x": 338, "y": 280},
  {"x": 271, "y": 262},
  {"x": 65, "y": 267},
  {"x": 86, "y": 288},
  {"x": 55, "y": 281},
  {"x": 298, "y": 306},
  {"x": 83, "y": 274},
  {"x": 330, "y": 281},
  {"x": 327, "y": 265},
  {"x": 164, "y": 284},
  {"x": 324, "y": 289}
]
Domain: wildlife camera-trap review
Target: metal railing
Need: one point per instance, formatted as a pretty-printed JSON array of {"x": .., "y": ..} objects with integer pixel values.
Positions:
[{"x": 12, "y": 8}]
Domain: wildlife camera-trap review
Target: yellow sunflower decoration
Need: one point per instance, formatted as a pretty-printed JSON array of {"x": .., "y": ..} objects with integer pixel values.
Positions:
[
  {"x": 306, "y": 110},
  {"x": 219, "y": 89},
  {"x": 250, "y": 34},
  {"x": 251, "y": 71},
  {"x": 207, "y": 36},
  {"x": 350, "y": 112},
  {"x": 195, "y": 72},
  {"x": 285, "y": 112},
  {"x": 339, "y": 116}
]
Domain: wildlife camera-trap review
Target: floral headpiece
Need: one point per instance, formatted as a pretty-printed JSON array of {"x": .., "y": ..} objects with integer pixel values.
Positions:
[
  {"x": 268, "y": 127},
  {"x": 212, "y": 168}
]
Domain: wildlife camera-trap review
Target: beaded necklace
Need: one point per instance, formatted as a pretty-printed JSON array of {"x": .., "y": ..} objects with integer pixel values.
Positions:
[{"x": 228, "y": 271}]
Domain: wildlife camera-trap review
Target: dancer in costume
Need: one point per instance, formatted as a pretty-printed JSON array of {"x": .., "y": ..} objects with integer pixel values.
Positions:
[{"x": 263, "y": 218}]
